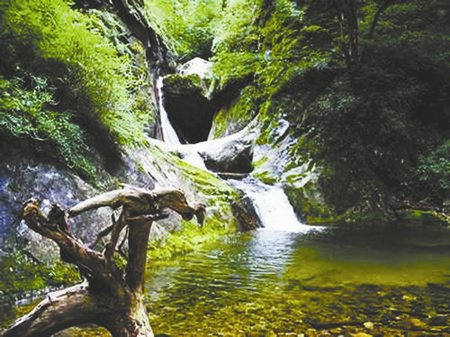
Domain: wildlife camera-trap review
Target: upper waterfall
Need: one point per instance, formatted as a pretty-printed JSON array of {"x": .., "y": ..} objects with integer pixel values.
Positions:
[{"x": 169, "y": 134}]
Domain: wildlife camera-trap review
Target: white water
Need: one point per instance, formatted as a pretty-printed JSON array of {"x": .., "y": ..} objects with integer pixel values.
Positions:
[
  {"x": 272, "y": 206},
  {"x": 169, "y": 134},
  {"x": 271, "y": 203}
]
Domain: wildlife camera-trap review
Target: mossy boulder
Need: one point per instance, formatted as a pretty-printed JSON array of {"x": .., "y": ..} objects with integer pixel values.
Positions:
[{"x": 235, "y": 115}]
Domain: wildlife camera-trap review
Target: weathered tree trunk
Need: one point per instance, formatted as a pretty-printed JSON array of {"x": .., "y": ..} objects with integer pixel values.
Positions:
[{"x": 111, "y": 297}]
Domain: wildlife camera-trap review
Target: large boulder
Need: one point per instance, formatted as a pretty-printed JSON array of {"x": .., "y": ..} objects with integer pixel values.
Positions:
[
  {"x": 231, "y": 154},
  {"x": 185, "y": 100},
  {"x": 21, "y": 179},
  {"x": 245, "y": 213},
  {"x": 189, "y": 111}
]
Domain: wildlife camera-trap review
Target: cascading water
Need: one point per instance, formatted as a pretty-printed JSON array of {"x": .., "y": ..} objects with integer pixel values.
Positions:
[
  {"x": 169, "y": 134},
  {"x": 271, "y": 203},
  {"x": 272, "y": 206}
]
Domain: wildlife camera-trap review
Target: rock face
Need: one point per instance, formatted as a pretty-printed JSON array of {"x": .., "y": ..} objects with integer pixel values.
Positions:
[
  {"x": 231, "y": 154},
  {"x": 235, "y": 158},
  {"x": 234, "y": 116},
  {"x": 189, "y": 111},
  {"x": 21, "y": 179}
]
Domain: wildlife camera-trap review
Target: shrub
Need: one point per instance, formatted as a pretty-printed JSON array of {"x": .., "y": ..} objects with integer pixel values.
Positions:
[
  {"x": 434, "y": 170},
  {"x": 95, "y": 70}
]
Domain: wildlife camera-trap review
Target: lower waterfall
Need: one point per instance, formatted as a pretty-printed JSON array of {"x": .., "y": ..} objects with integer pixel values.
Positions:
[
  {"x": 270, "y": 202},
  {"x": 271, "y": 205}
]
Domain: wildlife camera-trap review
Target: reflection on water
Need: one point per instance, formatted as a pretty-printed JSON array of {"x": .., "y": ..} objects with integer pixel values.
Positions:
[
  {"x": 329, "y": 282},
  {"x": 281, "y": 282}
]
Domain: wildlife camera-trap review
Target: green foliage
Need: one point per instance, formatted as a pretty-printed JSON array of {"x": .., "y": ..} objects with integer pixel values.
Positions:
[
  {"x": 232, "y": 67},
  {"x": 72, "y": 82},
  {"x": 186, "y": 26},
  {"x": 235, "y": 29},
  {"x": 275, "y": 45},
  {"x": 21, "y": 273},
  {"x": 434, "y": 170},
  {"x": 75, "y": 39},
  {"x": 28, "y": 114}
]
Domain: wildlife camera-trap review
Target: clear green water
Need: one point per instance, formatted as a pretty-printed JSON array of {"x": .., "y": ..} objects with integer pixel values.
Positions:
[
  {"x": 277, "y": 283},
  {"x": 390, "y": 281}
]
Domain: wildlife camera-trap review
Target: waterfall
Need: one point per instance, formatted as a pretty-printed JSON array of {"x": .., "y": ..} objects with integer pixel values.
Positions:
[
  {"x": 271, "y": 205},
  {"x": 169, "y": 134},
  {"x": 189, "y": 155}
]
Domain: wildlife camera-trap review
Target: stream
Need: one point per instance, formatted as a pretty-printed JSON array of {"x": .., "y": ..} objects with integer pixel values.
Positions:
[
  {"x": 383, "y": 281},
  {"x": 291, "y": 279}
]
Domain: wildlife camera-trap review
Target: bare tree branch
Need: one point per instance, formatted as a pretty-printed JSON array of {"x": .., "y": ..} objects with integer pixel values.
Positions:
[{"x": 111, "y": 298}]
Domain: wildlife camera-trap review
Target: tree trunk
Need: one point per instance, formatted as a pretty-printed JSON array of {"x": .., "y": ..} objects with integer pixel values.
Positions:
[
  {"x": 110, "y": 297},
  {"x": 380, "y": 10},
  {"x": 348, "y": 28},
  {"x": 73, "y": 306}
]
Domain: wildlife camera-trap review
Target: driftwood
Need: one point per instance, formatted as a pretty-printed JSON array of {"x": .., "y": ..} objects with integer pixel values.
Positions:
[{"x": 110, "y": 297}]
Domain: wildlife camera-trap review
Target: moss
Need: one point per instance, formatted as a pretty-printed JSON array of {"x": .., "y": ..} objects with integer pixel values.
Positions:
[
  {"x": 235, "y": 117},
  {"x": 191, "y": 237},
  {"x": 21, "y": 273},
  {"x": 267, "y": 177},
  {"x": 424, "y": 217},
  {"x": 183, "y": 84},
  {"x": 198, "y": 185},
  {"x": 308, "y": 208}
]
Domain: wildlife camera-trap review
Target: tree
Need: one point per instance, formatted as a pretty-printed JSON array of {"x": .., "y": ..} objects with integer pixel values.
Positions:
[
  {"x": 381, "y": 8},
  {"x": 348, "y": 27},
  {"x": 111, "y": 297}
]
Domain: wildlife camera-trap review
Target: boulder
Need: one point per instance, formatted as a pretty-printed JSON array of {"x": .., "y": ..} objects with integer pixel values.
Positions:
[
  {"x": 186, "y": 100},
  {"x": 189, "y": 111},
  {"x": 245, "y": 213},
  {"x": 235, "y": 158},
  {"x": 231, "y": 154}
]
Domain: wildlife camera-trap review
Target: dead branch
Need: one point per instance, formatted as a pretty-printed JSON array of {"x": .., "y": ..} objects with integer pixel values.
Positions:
[{"x": 111, "y": 298}]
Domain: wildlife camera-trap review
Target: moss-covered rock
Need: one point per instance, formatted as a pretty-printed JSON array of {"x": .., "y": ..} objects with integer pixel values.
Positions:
[
  {"x": 224, "y": 208},
  {"x": 233, "y": 118}
]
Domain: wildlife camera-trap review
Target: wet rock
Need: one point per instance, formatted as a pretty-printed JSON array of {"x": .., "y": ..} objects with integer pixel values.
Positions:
[
  {"x": 410, "y": 323},
  {"x": 236, "y": 158},
  {"x": 232, "y": 154},
  {"x": 235, "y": 115},
  {"x": 245, "y": 213},
  {"x": 360, "y": 334},
  {"x": 189, "y": 111},
  {"x": 22, "y": 179},
  {"x": 337, "y": 331},
  {"x": 440, "y": 320},
  {"x": 198, "y": 66}
]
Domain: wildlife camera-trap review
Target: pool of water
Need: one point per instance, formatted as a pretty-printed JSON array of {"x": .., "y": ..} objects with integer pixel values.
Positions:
[{"x": 380, "y": 281}]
